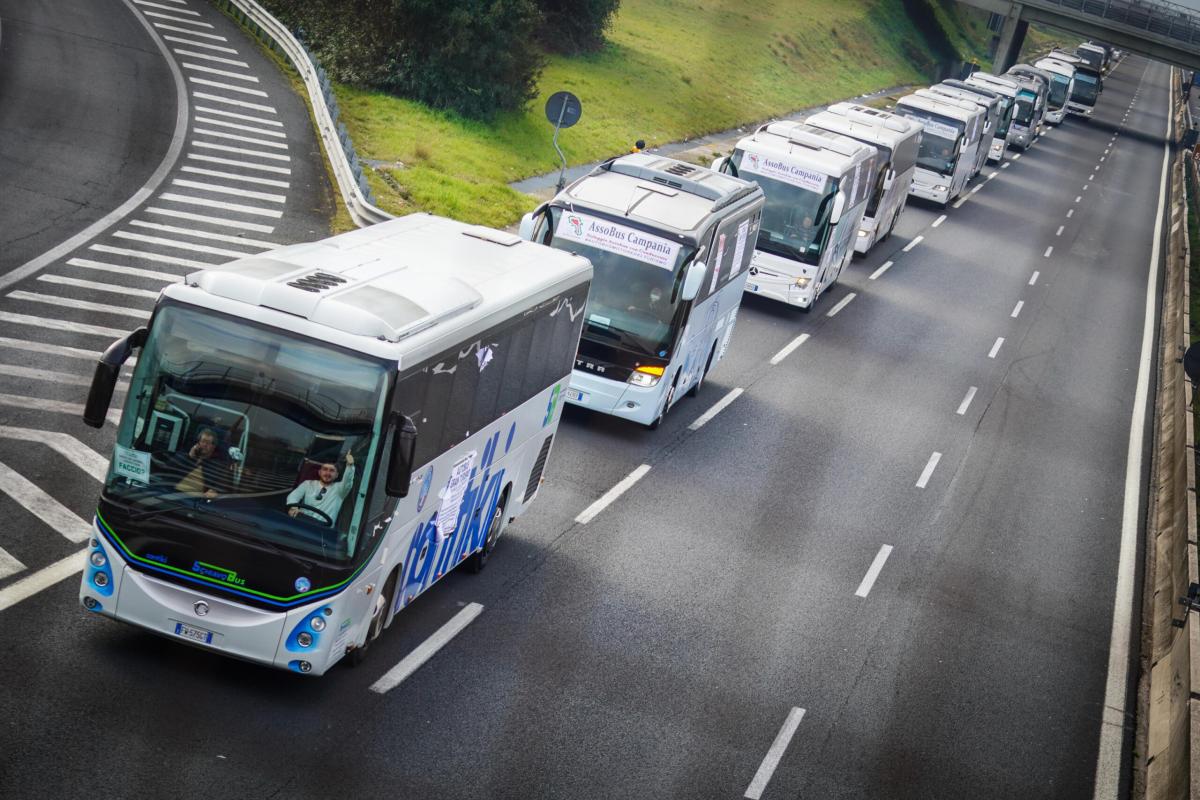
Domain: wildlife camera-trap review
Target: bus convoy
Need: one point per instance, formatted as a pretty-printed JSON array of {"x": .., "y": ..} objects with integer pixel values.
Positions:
[{"x": 314, "y": 436}]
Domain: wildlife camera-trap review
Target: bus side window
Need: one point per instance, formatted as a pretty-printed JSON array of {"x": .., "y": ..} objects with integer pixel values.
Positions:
[
  {"x": 492, "y": 358},
  {"x": 462, "y": 393},
  {"x": 516, "y": 367}
]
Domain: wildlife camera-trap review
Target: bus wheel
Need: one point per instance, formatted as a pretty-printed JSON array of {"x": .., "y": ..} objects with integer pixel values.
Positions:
[
  {"x": 378, "y": 614},
  {"x": 695, "y": 390},
  {"x": 477, "y": 561}
]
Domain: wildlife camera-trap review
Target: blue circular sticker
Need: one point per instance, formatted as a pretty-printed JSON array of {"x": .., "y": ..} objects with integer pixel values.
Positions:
[{"x": 303, "y": 584}]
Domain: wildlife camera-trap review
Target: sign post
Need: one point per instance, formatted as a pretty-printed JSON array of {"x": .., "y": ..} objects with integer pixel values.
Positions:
[{"x": 563, "y": 110}]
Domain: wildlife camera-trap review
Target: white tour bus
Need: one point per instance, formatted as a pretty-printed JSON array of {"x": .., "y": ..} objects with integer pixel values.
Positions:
[
  {"x": 314, "y": 436},
  {"x": 1062, "y": 83},
  {"x": 898, "y": 140},
  {"x": 1088, "y": 84},
  {"x": 991, "y": 118},
  {"x": 1006, "y": 87},
  {"x": 1027, "y": 118},
  {"x": 817, "y": 185},
  {"x": 1041, "y": 79},
  {"x": 670, "y": 243},
  {"x": 1004, "y": 104},
  {"x": 949, "y": 145}
]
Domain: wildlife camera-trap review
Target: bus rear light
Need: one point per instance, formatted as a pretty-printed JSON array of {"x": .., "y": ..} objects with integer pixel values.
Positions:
[{"x": 646, "y": 376}]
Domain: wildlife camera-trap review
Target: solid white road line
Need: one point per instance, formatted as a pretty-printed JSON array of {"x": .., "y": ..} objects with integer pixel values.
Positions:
[
  {"x": 162, "y": 26},
  {"x": 234, "y": 137},
  {"x": 233, "y": 62},
  {"x": 238, "y": 76},
  {"x": 239, "y": 208},
  {"x": 788, "y": 348},
  {"x": 927, "y": 473},
  {"x": 54, "y": 324},
  {"x": 427, "y": 649},
  {"x": 623, "y": 485},
  {"x": 1109, "y": 759},
  {"x": 193, "y": 43},
  {"x": 1017, "y": 309},
  {"x": 80, "y": 305},
  {"x": 235, "y": 115},
  {"x": 43, "y": 506},
  {"x": 228, "y": 87},
  {"x": 218, "y": 237},
  {"x": 237, "y": 126},
  {"x": 65, "y": 445},
  {"x": 868, "y": 580},
  {"x": 9, "y": 565},
  {"x": 178, "y": 245},
  {"x": 771, "y": 760},
  {"x": 1060, "y": 230},
  {"x": 716, "y": 408},
  {"x": 205, "y": 218},
  {"x": 124, "y": 251},
  {"x": 886, "y": 266},
  {"x": 233, "y": 176},
  {"x": 1049, "y": 252},
  {"x": 996, "y": 347},
  {"x": 221, "y": 189},
  {"x": 233, "y": 162},
  {"x": 966, "y": 403},
  {"x": 845, "y": 301},
  {"x": 241, "y": 151},
  {"x": 100, "y": 266},
  {"x": 938, "y": 221},
  {"x": 176, "y": 9},
  {"x": 216, "y": 98},
  {"x": 60, "y": 350},
  {"x": 181, "y": 20},
  {"x": 908, "y": 247},
  {"x": 53, "y": 406},
  {"x": 42, "y": 579},
  {"x": 96, "y": 286}
]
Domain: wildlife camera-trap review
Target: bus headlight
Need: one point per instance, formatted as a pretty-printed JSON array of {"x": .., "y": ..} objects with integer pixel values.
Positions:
[
  {"x": 802, "y": 282},
  {"x": 646, "y": 376},
  {"x": 939, "y": 188},
  {"x": 100, "y": 579},
  {"x": 304, "y": 639},
  {"x": 98, "y": 559},
  {"x": 317, "y": 624}
]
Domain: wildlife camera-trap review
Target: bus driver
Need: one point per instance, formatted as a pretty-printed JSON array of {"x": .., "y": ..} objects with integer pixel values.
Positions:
[{"x": 321, "y": 494}]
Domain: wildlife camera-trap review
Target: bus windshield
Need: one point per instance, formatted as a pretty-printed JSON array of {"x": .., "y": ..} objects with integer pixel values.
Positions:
[
  {"x": 634, "y": 300},
  {"x": 1026, "y": 101},
  {"x": 1006, "y": 115},
  {"x": 1058, "y": 90},
  {"x": 1086, "y": 88},
  {"x": 249, "y": 430},
  {"x": 795, "y": 218},
  {"x": 940, "y": 142}
]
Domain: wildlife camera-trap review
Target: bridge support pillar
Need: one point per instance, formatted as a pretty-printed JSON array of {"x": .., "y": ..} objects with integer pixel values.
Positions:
[{"x": 1012, "y": 36}]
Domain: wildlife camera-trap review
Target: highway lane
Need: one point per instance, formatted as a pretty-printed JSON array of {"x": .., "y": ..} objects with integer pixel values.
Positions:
[
  {"x": 632, "y": 656},
  {"x": 87, "y": 111}
]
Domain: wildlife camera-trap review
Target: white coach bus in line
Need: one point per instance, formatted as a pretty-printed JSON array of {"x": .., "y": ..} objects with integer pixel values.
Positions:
[
  {"x": 991, "y": 116},
  {"x": 1027, "y": 116},
  {"x": 314, "y": 436},
  {"x": 1041, "y": 80},
  {"x": 1062, "y": 84},
  {"x": 950, "y": 144},
  {"x": 671, "y": 243},
  {"x": 1007, "y": 87},
  {"x": 817, "y": 184},
  {"x": 898, "y": 140},
  {"x": 999, "y": 143}
]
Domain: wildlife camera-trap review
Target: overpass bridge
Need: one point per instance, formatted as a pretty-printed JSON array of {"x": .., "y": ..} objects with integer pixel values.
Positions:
[{"x": 1160, "y": 30}]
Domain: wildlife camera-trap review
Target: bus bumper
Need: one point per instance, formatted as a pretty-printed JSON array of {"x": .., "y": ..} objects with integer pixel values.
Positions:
[
  {"x": 867, "y": 233},
  {"x": 1021, "y": 138},
  {"x": 996, "y": 152},
  {"x": 775, "y": 277},
  {"x": 1079, "y": 110},
  {"x": 618, "y": 398},
  {"x": 1056, "y": 117},
  {"x": 931, "y": 187}
]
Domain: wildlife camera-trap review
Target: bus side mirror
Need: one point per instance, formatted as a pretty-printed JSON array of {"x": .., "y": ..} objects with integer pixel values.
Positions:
[
  {"x": 400, "y": 464},
  {"x": 693, "y": 281},
  {"x": 720, "y": 165},
  {"x": 839, "y": 206},
  {"x": 104, "y": 379},
  {"x": 529, "y": 223},
  {"x": 889, "y": 178}
]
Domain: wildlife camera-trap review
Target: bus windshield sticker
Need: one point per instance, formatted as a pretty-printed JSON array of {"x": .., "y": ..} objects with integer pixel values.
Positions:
[
  {"x": 940, "y": 129},
  {"x": 132, "y": 464},
  {"x": 739, "y": 249},
  {"x": 452, "y": 495},
  {"x": 619, "y": 239},
  {"x": 780, "y": 170}
]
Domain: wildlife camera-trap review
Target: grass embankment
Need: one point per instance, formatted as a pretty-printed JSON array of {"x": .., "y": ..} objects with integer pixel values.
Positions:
[
  {"x": 672, "y": 69},
  {"x": 1039, "y": 41}
]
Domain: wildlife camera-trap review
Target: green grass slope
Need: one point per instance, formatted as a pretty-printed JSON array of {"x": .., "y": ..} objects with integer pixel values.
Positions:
[{"x": 672, "y": 69}]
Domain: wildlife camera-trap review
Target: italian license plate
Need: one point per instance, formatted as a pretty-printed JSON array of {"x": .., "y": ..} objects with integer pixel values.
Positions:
[
  {"x": 754, "y": 287},
  {"x": 576, "y": 396},
  {"x": 193, "y": 633}
]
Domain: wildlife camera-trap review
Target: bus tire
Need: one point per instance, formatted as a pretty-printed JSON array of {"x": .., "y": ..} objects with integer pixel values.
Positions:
[
  {"x": 478, "y": 560},
  {"x": 695, "y": 390},
  {"x": 383, "y": 602}
]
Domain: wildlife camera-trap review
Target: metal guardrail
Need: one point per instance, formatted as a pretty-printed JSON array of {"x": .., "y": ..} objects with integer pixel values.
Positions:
[
  {"x": 1171, "y": 21},
  {"x": 347, "y": 170}
]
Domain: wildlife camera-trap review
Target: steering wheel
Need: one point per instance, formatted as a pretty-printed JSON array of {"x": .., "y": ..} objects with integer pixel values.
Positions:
[{"x": 316, "y": 512}]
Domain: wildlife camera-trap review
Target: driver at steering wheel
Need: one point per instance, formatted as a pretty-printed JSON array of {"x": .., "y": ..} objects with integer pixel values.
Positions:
[{"x": 321, "y": 494}]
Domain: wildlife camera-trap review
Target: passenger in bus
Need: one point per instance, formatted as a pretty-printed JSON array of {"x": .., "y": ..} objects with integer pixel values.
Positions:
[
  {"x": 203, "y": 465},
  {"x": 321, "y": 494}
]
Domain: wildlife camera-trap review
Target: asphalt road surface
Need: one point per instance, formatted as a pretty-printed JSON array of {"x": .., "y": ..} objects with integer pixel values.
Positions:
[{"x": 886, "y": 569}]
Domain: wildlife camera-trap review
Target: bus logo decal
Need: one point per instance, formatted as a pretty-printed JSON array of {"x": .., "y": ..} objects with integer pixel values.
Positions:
[
  {"x": 576, "y": 223},
  {"x": 219, "y": 573},
  {"x": 550, "y": 409},
  {"x": 426, "y": 482}
]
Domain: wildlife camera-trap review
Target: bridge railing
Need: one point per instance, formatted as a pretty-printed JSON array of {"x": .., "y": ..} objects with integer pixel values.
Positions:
[{"x": 1168, "y": 20}]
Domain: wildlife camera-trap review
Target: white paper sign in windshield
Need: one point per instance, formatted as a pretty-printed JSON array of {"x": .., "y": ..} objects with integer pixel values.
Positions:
[
  {"x": 619, "y": 239},
  {"x": 940, "y": 129},
  {"x": 781, "y": 170}
]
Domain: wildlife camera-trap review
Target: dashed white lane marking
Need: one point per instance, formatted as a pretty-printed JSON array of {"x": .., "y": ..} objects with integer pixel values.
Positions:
[
  {"x": 42, "y": 579},
  {"x": 162, "y": 26},
  {"x": 927, "y": 473},
  {"x": 996, "y": 347},
  {"x": 771, "y": 760},
  {"x": 1017, "y": 156},
  {"x": 1101, "y": 159},
  {"x": 1092, "y": 177},
  {"x": 427, "y": 649},
  {"x": 120, "y": 269},
  {"x": 1005, "y": 165},
  {"x": 192, "y": 200},
  {"x": 145, "y": 256},
  {"x": 976, "y": 189},
  {"x": 1078, "y": 198},
  {"x": 242, "y": 151},
  {"x": 237, "y": 126},
  {"x": 886, "y": 266},
  {"x": 708, "y": 416},
  {"x": 908, "y": 247},
  {"x": 199, "y": 234},
  {"x": 79, "y": 305},
  {"x": 55, "y": 324},
  {"x": 96, "y": 286},
  {"x": 217, "y": 188},
  {"x": 993, "y": 175},
  {"x": 180, "y": 20},
  {"x": 236, "y": 162},
  {"x": 1016, "y": 312},
  {"x": 1175, "y": 227},
  {"x": 623, "y": 485},
  {"x": 216, "y": 98},
  {"x": 225, "y": 73},
  {"x": 1060, "y": 230},
  {"x": 9, "y": 565},
  {"x": 178, "y": 245},
  {"x": 868, "y": 580},
  {"x": 845, "y": 301},
  {"x": 938, "y": 221},
  {"x": 235, "y": 115},
  {"x": 960, "y": 202},
  {"x": 228, "y": 87},
  {"x": 966, "y": 403},
  {"x": 1086, "y": 186},
  {"x": 237, "y": 137},
  {"x": 787, "y": 349},
  {"x": 194, "y": 43},
  {"x": 233, "y": 62},
  {"x": 43, "y": 506},
  {"x": 222, "y": 221},
  {"x": 1070, "y": 213},
  {"x": 1049, "y": 252}
]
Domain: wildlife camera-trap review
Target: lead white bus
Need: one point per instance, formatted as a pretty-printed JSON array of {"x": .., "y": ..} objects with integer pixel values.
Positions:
[
  {"x": 671, "y": 245},
  {"x": 1062, "y": 84},
  {"x": 991, "y": 117},
  {"x": 897, "y": 140},
  {"x": 1004, "y": 104},
  {"x": 949, "y": 145},
  {"x": 817, "y": 185},
  {"x": 316, "y": 435}
]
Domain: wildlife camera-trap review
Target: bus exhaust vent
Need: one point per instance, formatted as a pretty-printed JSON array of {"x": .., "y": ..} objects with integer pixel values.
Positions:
[
  {"x": 681, "y": 169},
  {"x": 318, "y": 282},
  {"x": 535, "y": 475}
]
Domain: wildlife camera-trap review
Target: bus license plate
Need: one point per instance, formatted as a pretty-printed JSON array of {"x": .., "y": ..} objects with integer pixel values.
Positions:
[
  {"x": 754, "y": 287},
  {"x": 576, "y": 396},
  {"x": 195, "y": 634}
]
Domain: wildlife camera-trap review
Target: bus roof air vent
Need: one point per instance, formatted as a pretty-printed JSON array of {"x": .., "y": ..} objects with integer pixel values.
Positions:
[
  {"x": 318, "y": 282},
  {"x": 681, "y": 169}
]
